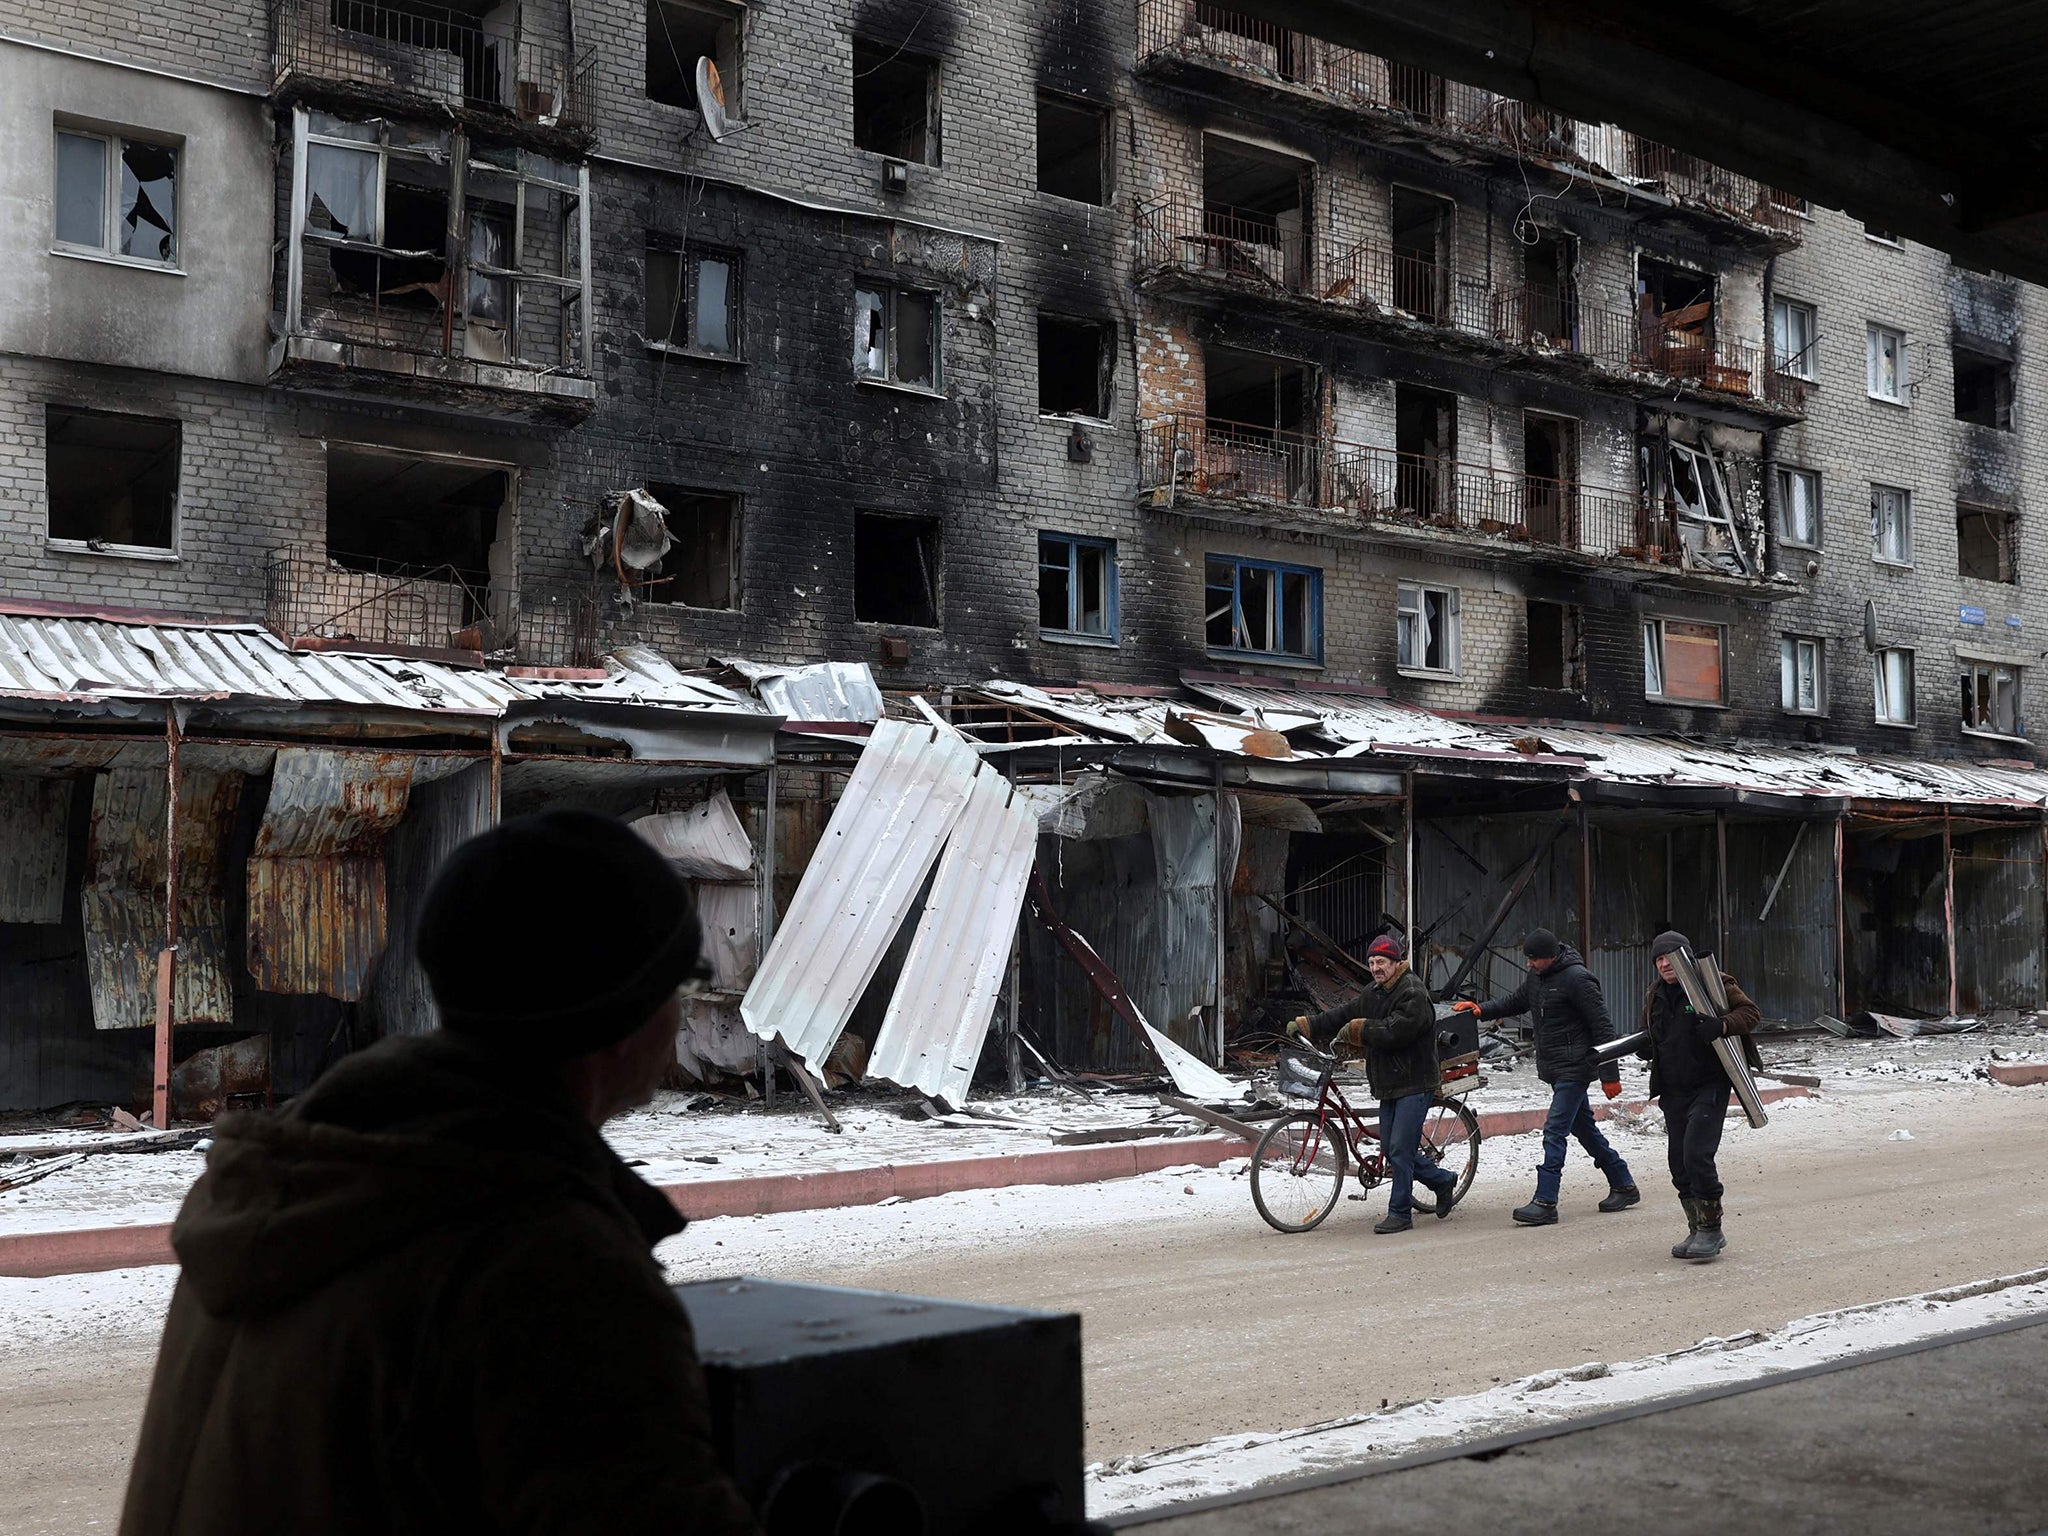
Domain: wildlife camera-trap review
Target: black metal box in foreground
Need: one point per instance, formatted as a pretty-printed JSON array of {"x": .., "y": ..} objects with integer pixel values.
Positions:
[{"x": 824, "y": 1397}]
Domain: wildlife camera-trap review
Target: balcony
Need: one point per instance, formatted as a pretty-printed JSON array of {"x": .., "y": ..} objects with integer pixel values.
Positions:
[
  {"x": 1179, "y": 36},
  {"x": 412, "y": 56},
  {"x": 1423, "y": 499}
]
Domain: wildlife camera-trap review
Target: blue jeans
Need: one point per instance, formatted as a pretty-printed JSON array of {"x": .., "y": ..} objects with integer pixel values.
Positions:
[
  {"x": 1400, "y": 1137},
  {"x": 1571, "y": 1115}
]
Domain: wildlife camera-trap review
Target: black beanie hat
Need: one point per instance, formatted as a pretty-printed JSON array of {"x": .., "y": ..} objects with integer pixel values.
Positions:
[
  {"x": 1540, "y": 944},
  {"x": 1669, "y": 942},
  {"x": 556, "y": 935}
]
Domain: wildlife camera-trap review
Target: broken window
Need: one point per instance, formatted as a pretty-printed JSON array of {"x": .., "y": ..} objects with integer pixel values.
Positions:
[
  {"x": 1983, "y": 390},
  {"x": 1675, "y": 316},
  {"x": 1076, "y": 587},
  {"x": 1071, "y": 148},
  {"x": 693, "y": 299},
  {"x": 702, "y": 566},
  {"x": 1881, "y": 236},
  {"x": 1075, "y": 359},
  {"x": 1258, "y": 439},
  {"x": 1549, "y": 303},
  {"x": 1426, "y": 628},
  {"x": 1891, "y": 673},
  {"x": 1255, "y": 212},
  {"x": 1421, "y": 232},
  {"x": 1987, "y": 543},
  {"x": 1550, "y": 478},
  {"x": 1798, "y": 498},
  {"x": 1891, "y": 524},
  {"x": 112, "y": 480},
  {"x": 1801, "y": 675},
  {"x": 1795, "y": 332},
  {"x": 117, "y": 196},
  {"x": 679, "y": 33},
  {"x": 1991, "y": 698},
  {"x": 1264, "y": 609},
  {"x": 406, "y": 515},
  {"x": 896, "y": 337},
  {"x": 896, "y": 569},
  {"x": 1886, "y": 355},
  {"x": 1556, "y": 646},
  {"x": 895, "y": 102},
  {"x": 382, "y": 207},
  {"x": 1682, "y": 661},
  {"x": 1425, "y": 449}
]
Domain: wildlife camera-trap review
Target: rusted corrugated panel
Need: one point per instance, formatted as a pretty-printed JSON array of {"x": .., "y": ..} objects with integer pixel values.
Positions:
[
  {"x": 439, "y": 817},
  {"x": 1999, "y": 938},
  {"x": 35, "y": 826},
  {"x": 222, "y": 1077},
  {"x": 1785, "y": 961},
  {"x": 123, "y": 896},
  {"x": 316, "y": 875}
]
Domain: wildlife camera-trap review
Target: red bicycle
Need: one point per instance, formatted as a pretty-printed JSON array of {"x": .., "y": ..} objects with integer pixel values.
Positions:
[{"x": 1299, "y": 1164}]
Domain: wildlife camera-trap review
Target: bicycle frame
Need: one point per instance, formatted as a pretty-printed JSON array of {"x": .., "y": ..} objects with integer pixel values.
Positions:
[{"x": 1331, "y": 1104}]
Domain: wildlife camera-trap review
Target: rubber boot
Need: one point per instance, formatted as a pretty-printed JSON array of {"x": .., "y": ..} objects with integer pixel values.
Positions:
[
  {"x": 1707, "y": 1242},
  {"x": 1692, "y": 1225},
  {"x": 1537, "y": 1213},
  {"x": 1620, "y": 1199}
]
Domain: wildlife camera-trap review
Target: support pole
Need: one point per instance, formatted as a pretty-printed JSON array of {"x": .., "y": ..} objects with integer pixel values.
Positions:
[
  {"x": 1408, "y": 864},
  {"x": 767, "y": 920},
  {"x": 1721, "y": 887},
  {"x": 1841, "y": 918},
  {"x": 167, "y": 957},
  {"x": 1948, "y": 902},
  {"x": 1222, "y": 917},
  {"x": 1585, "y": 881}
]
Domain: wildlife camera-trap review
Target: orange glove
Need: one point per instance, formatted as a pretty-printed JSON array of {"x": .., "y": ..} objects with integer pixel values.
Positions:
[
  {"x": 1612, "y": 1090},
  {"x": 1465, "y": 1005}
]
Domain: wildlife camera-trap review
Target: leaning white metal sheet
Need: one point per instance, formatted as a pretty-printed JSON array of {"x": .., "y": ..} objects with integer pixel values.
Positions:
[
  {"x": 903, "y": 800},
  {"x": 931, "y": 1036}
]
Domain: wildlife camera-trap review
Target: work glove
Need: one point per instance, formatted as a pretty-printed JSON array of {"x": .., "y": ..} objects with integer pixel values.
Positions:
[
  {"x": 1612, "y": 1090},
  {"x": 1297, "y": 1029},
  {"x": 1465, "y": 1005},
  {"x": 1350, "y": 1033}
]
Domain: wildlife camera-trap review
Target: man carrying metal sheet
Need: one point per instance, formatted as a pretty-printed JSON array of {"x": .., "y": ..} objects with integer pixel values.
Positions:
[
  {"x": 1568, "y": 1017},
  {"x": 1688, "y": 1078}
]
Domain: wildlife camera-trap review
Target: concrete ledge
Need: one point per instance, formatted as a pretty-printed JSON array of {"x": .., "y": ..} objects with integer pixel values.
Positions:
[
  {"x": 83, "y": 1250},
  {"x": 2026, "y": 1075}
]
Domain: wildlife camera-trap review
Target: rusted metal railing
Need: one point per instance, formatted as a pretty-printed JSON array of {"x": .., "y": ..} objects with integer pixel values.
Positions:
[
  {"x": 311, "y": 594},
  {"x": 1233, "y": 244}
]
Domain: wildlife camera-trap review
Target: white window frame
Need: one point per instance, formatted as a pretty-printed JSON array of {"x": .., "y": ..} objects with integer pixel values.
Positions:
[
  {"x": 2013, "y": 681},
  {"x": 1875, "y": 336},
  {"x": 1794, "y": 364},
  {"x": 1412, "y": 628},
  {"x": 1903, "y": 555},
  {"x": 1654, "y": 669},
  {"x": 1802, "y": 659},
  {"x": 889, "y": 297},
  {"x": 1787, "y": 475},
  {"x": 1888, "y": 713},
  {"x": 109, "y": 248}
]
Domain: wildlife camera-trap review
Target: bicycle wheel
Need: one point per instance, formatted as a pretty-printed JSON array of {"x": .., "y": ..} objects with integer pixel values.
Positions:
[
  {"x": 1450, "y": 1140},
  {"x": 1297, "y": 1171}
]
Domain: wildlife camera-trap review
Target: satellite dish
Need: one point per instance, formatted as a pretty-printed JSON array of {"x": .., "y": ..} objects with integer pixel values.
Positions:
[{"x": 711, "y": 100}]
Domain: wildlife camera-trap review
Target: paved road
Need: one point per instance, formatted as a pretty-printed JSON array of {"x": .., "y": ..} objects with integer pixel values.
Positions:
[{"x": 1202, "y": 1326}]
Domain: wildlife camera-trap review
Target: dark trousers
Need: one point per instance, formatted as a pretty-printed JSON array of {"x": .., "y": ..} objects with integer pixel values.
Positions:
[
  {"x": 1693, "y": 1118},
  {"x": 1571, "y": 1116},
  {"x": 1401, "y": 1138}
]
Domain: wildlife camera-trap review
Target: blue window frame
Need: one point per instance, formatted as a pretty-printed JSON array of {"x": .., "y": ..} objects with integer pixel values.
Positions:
[
  {"x": 1077, "y": 588},
  {"x": 1259, "y": 608}
]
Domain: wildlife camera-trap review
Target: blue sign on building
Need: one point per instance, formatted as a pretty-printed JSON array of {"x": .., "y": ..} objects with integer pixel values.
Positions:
[
  {"x": 2012, "y": 621},
  {"x": 1969, "y": 615}
]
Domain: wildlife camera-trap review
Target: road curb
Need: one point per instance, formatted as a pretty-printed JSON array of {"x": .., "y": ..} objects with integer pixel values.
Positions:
[{"x": 85, "y": 1250}]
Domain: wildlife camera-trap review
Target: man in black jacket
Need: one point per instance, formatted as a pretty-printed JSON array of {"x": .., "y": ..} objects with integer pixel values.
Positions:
[
  {"x": 1394, "y": 1021},
  {"x": 1569, "y": 1019}
]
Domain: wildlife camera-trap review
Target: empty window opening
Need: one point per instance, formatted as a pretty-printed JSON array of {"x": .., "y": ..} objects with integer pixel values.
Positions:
[
  {"x": 678, "y": 35},
  {"x": 693, "y": 300},
  {"x": 1891, "y": 673},
  {"x": 1255, "y": 210},
  {"x": 1550, "y": 476},
  {"x": 1072, "y": 147},
  {"x": 392, "y": 212},
  {"x": 1795, "y": 333},
  {"x": 1262, "y": 608},
  {"x": 1891, "y": 524},
  {"x": 1426, "y": 629},
  {"x": 1076, "y": 587},
  {"x": 1798, "y": 506},
  {"x": 396, "y": 515},
  {"x": 896, "y": 569},
  {"x": 1075, "y": 362},
  {"x": 1987, "y": 543},
  {"x": 1549, "y": 301},
  {"x": 117, "y": 197},
  {"x": 1557, "y": 657},
  {"x": 1270, "y": 394},
  {"x": 701, "y": 568},
  {"x": 1802, "y": 678},
  {"x": 895, "y": 102},
  {"x": 896, "y": 337},
  {"x": 1421, "y": 241},
  {"x": 1983, "y": 390},
  {"x": 1991, "y": 698},
  {"x": 112, "y": 480},
  {"x": 1675, "y": 313},
  {"x": 1682, "y": 662},
  {"x": 1425, "y": 448}
]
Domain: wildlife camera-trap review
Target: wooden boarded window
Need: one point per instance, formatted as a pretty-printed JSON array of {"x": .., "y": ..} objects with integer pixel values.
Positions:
[{"x": 1682, "y": 661}]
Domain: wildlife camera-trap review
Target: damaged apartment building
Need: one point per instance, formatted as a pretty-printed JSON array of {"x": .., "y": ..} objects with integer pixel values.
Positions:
[{"x": 521, "y": 388}]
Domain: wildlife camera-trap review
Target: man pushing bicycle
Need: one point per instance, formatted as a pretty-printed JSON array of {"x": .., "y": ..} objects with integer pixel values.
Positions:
[{"x": 1394, "y": 1022}]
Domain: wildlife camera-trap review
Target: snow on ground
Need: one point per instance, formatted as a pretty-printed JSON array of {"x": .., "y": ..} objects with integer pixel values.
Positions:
[
  {"x": 1231, "y": 1463},
  {"x": 119, "y": 1306}
]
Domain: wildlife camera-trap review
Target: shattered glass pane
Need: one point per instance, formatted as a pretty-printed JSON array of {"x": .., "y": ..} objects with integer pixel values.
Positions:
[
  {"x": 149, "y": 201},
  {"x": 1221, "y": 586},
  {"x": 341, "y": 191},
  {"x": 81, "y": 190},
  {"x": 1055, "y": 579},
  {"x": 917, "y": 342},
  {"x": 328, "y": 127},
  {"x": 490, "y": 245},
  {"x": 870, "y": 336},
  {"x": 1092, "y": 598},
  {"x": 711, "y": 315},
  {"x": 1255, "y": 604}
]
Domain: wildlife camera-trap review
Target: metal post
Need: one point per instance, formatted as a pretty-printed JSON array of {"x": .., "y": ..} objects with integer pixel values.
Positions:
[
  {"x": 497, "y": 777},
  {"x": 167, "y": 957},
  {"x": 1222, "y": 913},
  {"x": 1721, "y": 887},
  {"x": 1948, "y": 902},
  {"x": 1841, "y": 918},
  {"x": 1408, "y": 865},
  {"x": 295, "y": 254},
  {"x": 1585, "y": 882},
  {"x": 767, "y": 922}
]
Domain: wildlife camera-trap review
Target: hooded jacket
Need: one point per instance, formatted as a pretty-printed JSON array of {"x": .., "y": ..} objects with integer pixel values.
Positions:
[
  {"x": 424, "y": 1298},
  {"x": 1568, "y": 1016},
  {"x": 1680, "y": 1048},
  {"x": 1399, "y": 1034}
]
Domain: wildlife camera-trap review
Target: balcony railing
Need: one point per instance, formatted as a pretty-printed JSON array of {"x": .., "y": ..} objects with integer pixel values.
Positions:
[
  {"x": 313, "y": 595},
  {"x": 1220, "y": 38},
  {"x": 433, "y": 56},
  {"x": 1235, "y": 463}
]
